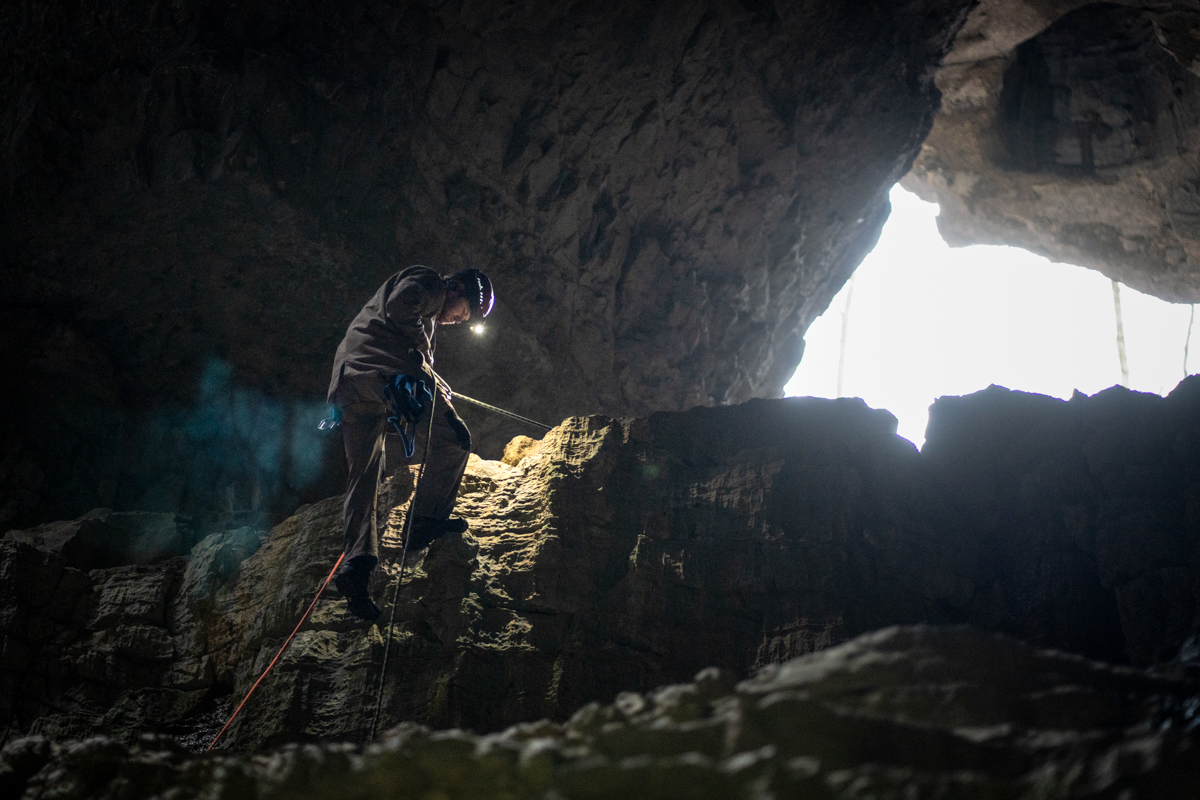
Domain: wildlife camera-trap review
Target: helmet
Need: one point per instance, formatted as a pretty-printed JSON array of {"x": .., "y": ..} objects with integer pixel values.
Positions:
[{"x": 477, "y": 289}]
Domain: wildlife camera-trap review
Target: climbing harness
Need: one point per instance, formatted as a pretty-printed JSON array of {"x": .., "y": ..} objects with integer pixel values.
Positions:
[
  {"x": 403, "y": 391},
  {"x": 286, "y": 642},
  {"x": 406, "y": 534},
  {"x": 408, "y": 397}
]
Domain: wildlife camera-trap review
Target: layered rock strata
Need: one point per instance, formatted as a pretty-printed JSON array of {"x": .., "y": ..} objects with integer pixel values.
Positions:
[
  {"x": 905, "y": 712},
  {"x": 1072, "y": 129},
  {"x": 666, "y": 195},
  {"x": 624, "y": 554},
  {"x": 89, "y": 638}
]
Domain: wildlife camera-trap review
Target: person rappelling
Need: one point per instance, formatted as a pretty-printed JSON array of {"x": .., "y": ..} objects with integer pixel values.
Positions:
[
  {"x": 385, "y": 361},
  {"x": 383, "y": 375}
]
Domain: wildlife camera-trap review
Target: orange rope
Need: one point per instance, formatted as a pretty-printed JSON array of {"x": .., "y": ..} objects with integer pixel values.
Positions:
[{"x": 277, "y": 655}]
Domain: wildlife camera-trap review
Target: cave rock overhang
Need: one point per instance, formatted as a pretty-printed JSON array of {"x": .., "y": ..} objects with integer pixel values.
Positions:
[{"x": 1073, "y": 130}]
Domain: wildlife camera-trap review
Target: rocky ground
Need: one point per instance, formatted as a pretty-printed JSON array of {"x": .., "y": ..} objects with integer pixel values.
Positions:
[
  {"x": 911, "y": 712},
  {"x": 620, "y": 555}
]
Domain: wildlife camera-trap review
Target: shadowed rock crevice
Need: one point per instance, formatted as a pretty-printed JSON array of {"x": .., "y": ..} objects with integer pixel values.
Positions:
[{"x": 1095, "y": 91}]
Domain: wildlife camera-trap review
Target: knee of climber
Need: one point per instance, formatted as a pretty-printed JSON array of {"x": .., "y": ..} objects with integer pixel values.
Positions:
[{"x": 460, "y": 430}]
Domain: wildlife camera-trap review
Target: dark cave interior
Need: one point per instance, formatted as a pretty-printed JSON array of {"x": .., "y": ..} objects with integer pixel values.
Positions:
[{"x": 197, "y": 196}]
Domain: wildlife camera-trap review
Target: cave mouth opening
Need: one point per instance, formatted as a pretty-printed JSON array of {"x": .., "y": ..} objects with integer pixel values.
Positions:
[{"x": 920, "y": 320}]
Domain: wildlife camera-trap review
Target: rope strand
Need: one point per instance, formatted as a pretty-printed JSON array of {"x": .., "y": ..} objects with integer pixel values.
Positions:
[
  {"x": 408, "y": 515},
  {"x": 286, "y": 642}
]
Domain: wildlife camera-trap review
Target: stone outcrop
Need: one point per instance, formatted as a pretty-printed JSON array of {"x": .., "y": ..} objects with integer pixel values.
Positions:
[
  {"x": 195, "y": 200},
  {"x": 905, "y": 712},
  {"x": 1072, "y": 129},
  {"x": 624, "y": 554},
  {"x": 90, "y": 640}
]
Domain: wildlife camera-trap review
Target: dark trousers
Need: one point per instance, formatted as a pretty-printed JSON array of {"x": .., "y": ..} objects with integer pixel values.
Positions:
[{"x": 364, "y": 424}]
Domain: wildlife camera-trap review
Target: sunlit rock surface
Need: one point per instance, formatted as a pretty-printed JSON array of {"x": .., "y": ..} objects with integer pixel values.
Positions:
[
  {"x": 905, "y": 712},
  {"x": 195, "y": 199},
  {"x": 626, "y": 554},
  {"x": 1072, "y": 129}
]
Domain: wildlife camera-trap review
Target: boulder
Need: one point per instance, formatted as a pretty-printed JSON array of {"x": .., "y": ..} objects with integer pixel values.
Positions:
[{"x": 103, "y": 538}]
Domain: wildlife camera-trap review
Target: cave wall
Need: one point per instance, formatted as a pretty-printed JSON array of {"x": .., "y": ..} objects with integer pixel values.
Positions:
[
  {"x": 195, "y": 198},
  {"x": 1072, "y": 129}
]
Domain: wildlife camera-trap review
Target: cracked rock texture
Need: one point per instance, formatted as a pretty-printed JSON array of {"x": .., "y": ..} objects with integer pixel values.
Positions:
[
  {"x": 196, "y": 198},
  {"x": 1072, "y": 129},
  {"x": 909, "y": 712},
  {"x": 92, "y": 634},
  {"x": 624, "y": 554}
]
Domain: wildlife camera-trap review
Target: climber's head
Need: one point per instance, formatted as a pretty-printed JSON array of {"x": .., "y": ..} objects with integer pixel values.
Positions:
[{"x": 468, "y": 293}]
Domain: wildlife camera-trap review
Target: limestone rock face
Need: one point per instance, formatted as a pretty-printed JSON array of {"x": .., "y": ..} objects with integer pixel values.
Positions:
[
  {"x": 195, "y": 201},
  {"x": 905, "y": 712},
  {"x": 1072, "y": 129},
  {"x": 1083, "y": 513},
  {"x": 625, "y": 554},
  {"x": 87, "y": 633}
]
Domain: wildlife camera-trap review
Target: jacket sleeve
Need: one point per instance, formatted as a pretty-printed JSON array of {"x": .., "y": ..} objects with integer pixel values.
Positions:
[{"x": 416, "y": 297}]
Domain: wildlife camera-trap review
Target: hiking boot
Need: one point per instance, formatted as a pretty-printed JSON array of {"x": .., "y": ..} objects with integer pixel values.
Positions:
[
  {"x": 351, "y": 580},
  {"x": 425, "y": 529},
  {"x": 363, "y": 607}
]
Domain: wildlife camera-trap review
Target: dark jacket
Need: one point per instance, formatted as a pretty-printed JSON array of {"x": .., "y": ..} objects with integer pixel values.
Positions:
[{"x": 393, "y": 333}]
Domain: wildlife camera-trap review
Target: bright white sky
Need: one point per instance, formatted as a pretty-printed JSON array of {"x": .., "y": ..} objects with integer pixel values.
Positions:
[{"x": 926, "y": 320}]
